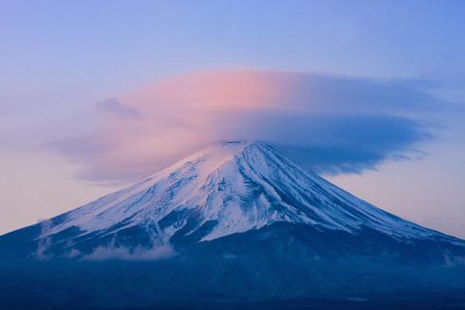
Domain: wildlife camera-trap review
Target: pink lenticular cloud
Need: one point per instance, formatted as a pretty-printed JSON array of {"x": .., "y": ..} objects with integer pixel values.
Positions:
[{"x": 138, "y": 133}]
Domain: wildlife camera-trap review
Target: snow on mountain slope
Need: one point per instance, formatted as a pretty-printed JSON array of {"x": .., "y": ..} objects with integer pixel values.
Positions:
[{"x": 229, "y": 188}]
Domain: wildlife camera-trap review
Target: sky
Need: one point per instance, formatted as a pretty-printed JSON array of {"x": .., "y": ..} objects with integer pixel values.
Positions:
[{"x": 95, "y": 95}]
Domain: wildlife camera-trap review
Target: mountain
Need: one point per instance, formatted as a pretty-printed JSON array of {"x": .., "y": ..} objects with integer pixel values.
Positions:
[{"x": 234, "y": 222}]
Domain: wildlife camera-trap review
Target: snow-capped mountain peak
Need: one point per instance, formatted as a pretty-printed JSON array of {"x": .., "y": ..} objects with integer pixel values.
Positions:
[
  {"x": 227, "y": 188},
  {"x": 232, "y": 214}
]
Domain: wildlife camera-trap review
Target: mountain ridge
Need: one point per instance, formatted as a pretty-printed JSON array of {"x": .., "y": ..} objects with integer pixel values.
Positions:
[
  {"x": 233, "y": 223},
  {"x": 223, "y": 189}
]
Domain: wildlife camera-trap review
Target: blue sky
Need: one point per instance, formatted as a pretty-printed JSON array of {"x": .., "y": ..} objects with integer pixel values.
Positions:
[{"x": 57, "y": 59}]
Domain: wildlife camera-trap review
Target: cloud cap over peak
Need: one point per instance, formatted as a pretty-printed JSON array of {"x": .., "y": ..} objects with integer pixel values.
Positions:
[{"x": 329, "y": 123}]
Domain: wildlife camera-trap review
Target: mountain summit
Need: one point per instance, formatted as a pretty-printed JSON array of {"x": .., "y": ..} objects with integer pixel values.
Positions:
[
  {"x": 234, "y": 214},
  {"x": 226, "y": 188}
]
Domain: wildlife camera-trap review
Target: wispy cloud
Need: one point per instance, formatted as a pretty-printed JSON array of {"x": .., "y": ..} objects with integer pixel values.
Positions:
[
  {"x": 330, "y": 123},
  {"x": 124, "y": 253},
  {"x": 44, "y": 242}
]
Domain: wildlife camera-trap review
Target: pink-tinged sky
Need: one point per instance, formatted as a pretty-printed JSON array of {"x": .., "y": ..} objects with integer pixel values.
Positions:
[{"x": 86, "y": 108}]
